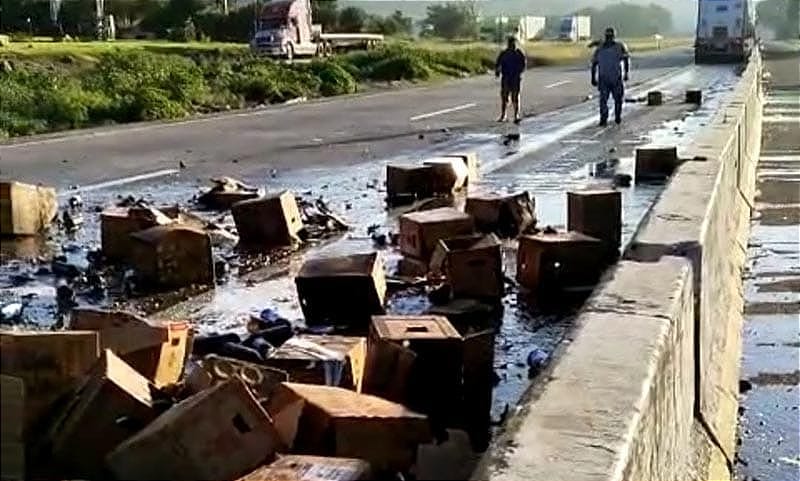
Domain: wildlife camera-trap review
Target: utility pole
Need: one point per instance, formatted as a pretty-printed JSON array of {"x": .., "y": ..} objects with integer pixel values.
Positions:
[{"x": 99, "y": 10}]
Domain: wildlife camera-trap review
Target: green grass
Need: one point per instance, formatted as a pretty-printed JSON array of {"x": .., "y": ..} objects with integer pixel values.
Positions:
[{"x": 67, "y": 85}]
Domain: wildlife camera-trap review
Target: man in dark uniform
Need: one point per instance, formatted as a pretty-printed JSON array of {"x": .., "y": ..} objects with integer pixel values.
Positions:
[
  {"x": 510, "y": 66},
  {"x": 607, "y": 74}
]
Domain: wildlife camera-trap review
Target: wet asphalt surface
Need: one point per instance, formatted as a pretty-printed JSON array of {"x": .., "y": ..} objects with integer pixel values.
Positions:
[
  {"x": 555, "y": 154},
  {"x": 769, "y": 421}
]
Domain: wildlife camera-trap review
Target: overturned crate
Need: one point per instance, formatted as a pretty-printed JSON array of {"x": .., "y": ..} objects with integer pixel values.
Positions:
[
  {"x": 342, "y": 290},
  {"x": 451, "y": 376},
  {"x": 26, "y": 209},
  {"x": 118, "y": 223},
  {"x": 448, "y": 174},
  {"x": 270, "y": 221},
  {"x": 220, "y": 433},
  {"x": 655, "y": 163},
  {"x": 322, "y": 359},
  {"x": 114, "y": 403},
  {"x": 295, "y": 467},
  {"x": 420, "y": 232},
  {"x": 598, "y": 214},
  {"x": 553, "y": 261},
  {"x": 155, "y": 349},
  {"x": 331, "y": 421},
  {"x": 173, "y": 256},
  {"x": 407, "y": 183},
  {"x": 49, "y": 363},
  {"x": 473, "y": 266},
  {"x": 12, "y": 424},
  {"x": 505, "y": 215}
]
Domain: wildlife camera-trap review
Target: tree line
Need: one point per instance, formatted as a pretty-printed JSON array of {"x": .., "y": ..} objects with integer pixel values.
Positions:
[{"x": 199, "y": 19}]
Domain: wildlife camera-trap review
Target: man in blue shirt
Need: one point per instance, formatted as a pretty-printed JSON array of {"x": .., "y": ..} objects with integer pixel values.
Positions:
[
  {"x": 510, "y": 66},
  {"x": 607, "y": 62}
]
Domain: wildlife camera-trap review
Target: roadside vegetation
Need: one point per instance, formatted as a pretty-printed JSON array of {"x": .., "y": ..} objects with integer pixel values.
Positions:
[{"x": 199, "y": 64}]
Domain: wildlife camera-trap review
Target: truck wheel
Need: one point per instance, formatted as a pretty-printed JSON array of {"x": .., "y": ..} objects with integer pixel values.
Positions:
[{"x": 290, "y": 53}]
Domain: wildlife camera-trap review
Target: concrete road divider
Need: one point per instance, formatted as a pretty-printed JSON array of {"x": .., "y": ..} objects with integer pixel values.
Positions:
[
  {"x": 655, "y": 163},
  {"x": 322, "y": 359},
  {"x": 173, "y": 256},
  {"x": 505, "y": 215},
  {"x": 472, "y": 265},
  {"x": 49, "y": 363},
  {"x": 550, "y": 262},
  {"x": 598, "y": 214},
  {"x": 112, "y": 404},
  {"x": 268, "y": 222},
  {"x": 343, "y": 290},
  {"x": 332, "y": 421},
  {"x": 420, "y": 232},
  {"x": 295, "y": 467},
  {"x": 157, "y": 350},
  {"x": 26, "y": 209},
  {"x": 12, "y": 424},
  {"x": 118, "y": 223},
  {"x": 220, "y": 433}
]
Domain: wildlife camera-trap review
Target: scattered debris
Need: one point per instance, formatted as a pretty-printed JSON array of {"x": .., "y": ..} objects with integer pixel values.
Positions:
[
  {"x": 11, "y": 312},
  {"x": 694, "y": 96},
  {"x": 472, "y": 265},
  {"x": 331, "y": 421},
  {"x": 312, "y": 468},
  {"x": 172, "y": 256},
  {"x": 622, "y": 180},
  {"x": 322, "y": 359},
  {"x": 420, "y": 232},
  {"x": 270, "y": 221},
  {"x": 118, "y": 223},
  {"x": 552, "y": 261},
  {"x": 227, "y": 191},
  {"x": 346, "y": 289},
  {"x": 505, "y": 215},
  {"x": 655, "y": 163},
  {"x": 220, "y": 433},
  {"x": 26, "y": 209},
  {"x": 598, "y": 214},
  {"x": 537, "y": 360},
  {"x": 655, "y": 98}
]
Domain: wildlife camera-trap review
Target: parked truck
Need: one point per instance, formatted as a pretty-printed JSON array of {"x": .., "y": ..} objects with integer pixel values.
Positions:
[
  {"x": 725, "y": 31},
  {"x": 575, "y": 27},
  {"x": 530, "y": 28},
  {"x": 285, "y": 29}
]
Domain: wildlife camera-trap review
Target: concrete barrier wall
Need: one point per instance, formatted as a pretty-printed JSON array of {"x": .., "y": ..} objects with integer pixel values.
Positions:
[{"x": 647, "y": 387}]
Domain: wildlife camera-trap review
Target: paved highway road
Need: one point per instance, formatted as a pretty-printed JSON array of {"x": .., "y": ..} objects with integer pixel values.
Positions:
[{"x": 333, "y": 132}]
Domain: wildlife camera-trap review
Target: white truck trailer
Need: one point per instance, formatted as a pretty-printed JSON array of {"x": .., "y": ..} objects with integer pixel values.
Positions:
[
  {"x": 575, "y": 27},
  {"x": 285, "y": 29},
  {"x": 530, "y": 28},
  {"x": 725, "y": 31}
]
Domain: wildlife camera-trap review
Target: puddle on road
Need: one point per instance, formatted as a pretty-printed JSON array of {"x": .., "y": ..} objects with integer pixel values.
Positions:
[{"x": 355, "y": 193}]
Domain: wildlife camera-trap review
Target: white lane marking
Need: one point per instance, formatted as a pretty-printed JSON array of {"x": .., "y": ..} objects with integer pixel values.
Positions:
[
  {"x": 443, "y": 111},
  {"x": 563, "y": 82},
  {"x": 118, "y": 182}
]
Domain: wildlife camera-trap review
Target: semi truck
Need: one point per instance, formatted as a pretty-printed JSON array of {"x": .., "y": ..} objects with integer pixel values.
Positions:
[
  {"x": 725, "y": 31},
  {"x": 575, "y": 27},
  {"x": 285, "y": 29},
  {"x": 530, "y": 28}
]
